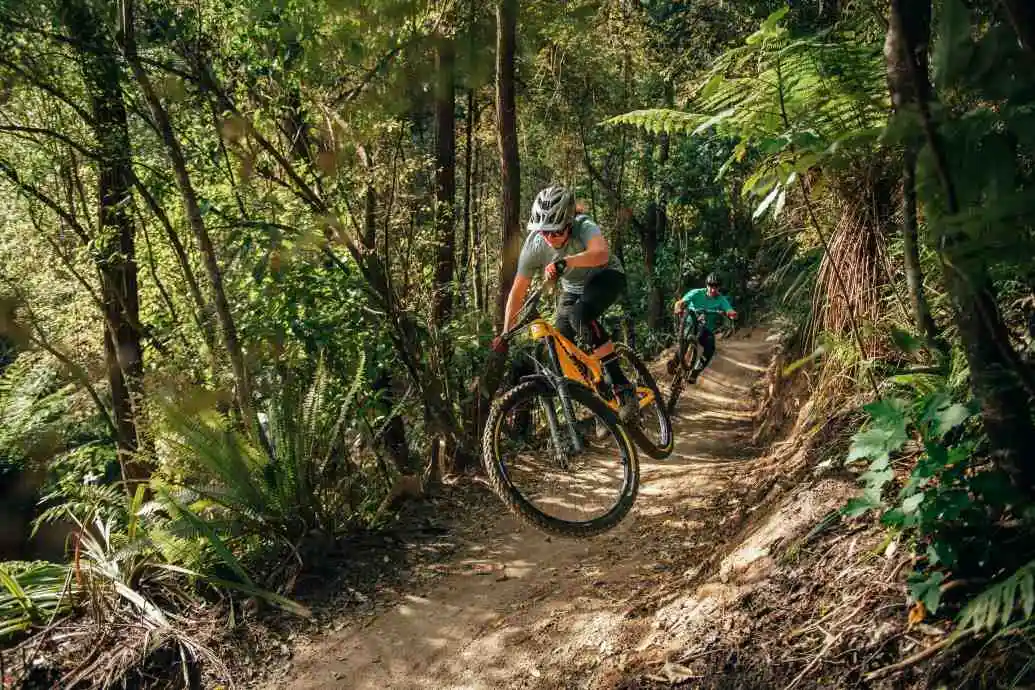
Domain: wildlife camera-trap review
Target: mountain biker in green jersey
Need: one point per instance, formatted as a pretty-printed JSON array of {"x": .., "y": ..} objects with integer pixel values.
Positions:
[
  {"x": 711, "y": 299},
  {"x": 571, "y": 247}
]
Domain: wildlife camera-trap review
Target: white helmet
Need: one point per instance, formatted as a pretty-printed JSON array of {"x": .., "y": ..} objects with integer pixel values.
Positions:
[{"x": 552, "y": 210}]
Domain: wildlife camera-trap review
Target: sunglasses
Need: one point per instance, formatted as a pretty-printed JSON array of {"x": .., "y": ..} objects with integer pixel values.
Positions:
[
  {"x": 713, "y": 285},
  {"x": 553, "y": 233}
]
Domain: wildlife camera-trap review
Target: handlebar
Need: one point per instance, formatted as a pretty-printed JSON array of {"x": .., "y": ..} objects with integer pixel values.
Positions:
[
  {"x": 529, "y": 311},
  {"x": 699, "y": 312}
]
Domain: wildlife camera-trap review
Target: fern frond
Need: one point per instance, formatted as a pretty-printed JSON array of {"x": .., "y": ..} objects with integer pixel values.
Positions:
[
  {"x": 660, "y": 121},
  {"x": 800, "y": 102},
  {"x": 358, "y": 381},
  {"x": 997, "y": 606}
]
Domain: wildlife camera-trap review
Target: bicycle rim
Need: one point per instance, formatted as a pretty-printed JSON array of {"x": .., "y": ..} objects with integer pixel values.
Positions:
[
  {"x": 588, "y": 492},
  {"x": 652, "y": 431}
]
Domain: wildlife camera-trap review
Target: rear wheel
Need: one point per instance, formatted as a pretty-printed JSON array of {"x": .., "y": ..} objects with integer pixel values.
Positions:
[
  {"x": 540, "y": 475},
  {"x": 652, "y": 431}
]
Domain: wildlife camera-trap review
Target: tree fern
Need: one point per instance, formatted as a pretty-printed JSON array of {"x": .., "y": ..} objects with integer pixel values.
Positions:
[
  {"x": 997, "y": 606},
  {"x": 794, "y": 102}
]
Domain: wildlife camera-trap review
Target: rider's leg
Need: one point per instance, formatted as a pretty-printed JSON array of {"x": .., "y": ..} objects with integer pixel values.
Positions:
[
  {"x": 563, "y": 321},
  {"x": 707, "y": 340},
  {"x": 599, "y": 293}
]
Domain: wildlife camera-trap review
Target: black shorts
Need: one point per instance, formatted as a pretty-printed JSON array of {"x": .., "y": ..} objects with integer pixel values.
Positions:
[{"x": 577, "y": 315}]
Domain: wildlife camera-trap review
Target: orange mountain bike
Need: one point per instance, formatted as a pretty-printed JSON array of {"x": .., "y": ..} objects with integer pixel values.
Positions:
[{"x": 554, "y": 448}]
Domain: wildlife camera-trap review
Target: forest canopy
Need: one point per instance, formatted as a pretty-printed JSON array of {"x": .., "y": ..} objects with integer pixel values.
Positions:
[{"x": 252, "y": 256}]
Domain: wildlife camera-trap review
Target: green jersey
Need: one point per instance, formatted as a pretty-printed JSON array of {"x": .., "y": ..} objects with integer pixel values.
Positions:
[{"x": 699, "y": 299}]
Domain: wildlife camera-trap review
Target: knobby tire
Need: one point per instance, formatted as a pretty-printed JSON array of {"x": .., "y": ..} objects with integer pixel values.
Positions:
[
  {"x": 668, "y": 442},
  {"x": 516, "y": 501}
]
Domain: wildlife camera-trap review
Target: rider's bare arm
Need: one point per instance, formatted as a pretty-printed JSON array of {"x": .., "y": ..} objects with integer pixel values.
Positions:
[
  {"x": 597, "y": 254},
  {"x": 515, "y": 299}
]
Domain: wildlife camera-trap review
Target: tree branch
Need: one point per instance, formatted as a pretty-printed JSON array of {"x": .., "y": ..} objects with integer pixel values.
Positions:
[
  {"x": 17, "y": 129},
  {"x": 8, "y": 170}
]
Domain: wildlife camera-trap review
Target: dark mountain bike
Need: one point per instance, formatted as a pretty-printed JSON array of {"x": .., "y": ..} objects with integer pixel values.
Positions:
[{"x": 688, "y": 348}]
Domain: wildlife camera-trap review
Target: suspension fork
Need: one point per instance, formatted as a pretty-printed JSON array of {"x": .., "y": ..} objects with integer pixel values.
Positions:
[{"x": 561, "y": 384}]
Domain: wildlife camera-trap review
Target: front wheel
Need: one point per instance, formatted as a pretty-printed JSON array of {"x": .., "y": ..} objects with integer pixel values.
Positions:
[
  {"x": 685, "y": 359},
  {"x": 533, "y": 467}
]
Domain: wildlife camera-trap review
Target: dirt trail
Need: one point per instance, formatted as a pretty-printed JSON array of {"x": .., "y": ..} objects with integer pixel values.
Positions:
[{"x": 519, "y": 609}]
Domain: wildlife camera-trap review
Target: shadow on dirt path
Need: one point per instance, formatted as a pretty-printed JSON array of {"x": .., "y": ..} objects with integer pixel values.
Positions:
[{"x": 516, "y": 608}]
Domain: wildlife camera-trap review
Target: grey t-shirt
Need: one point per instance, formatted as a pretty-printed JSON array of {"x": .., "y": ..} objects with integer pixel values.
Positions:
[{"x": 537, "y": 253}]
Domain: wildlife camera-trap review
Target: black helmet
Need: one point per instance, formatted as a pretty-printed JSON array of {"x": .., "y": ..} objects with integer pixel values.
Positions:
[{"x": 713, "y": 279}]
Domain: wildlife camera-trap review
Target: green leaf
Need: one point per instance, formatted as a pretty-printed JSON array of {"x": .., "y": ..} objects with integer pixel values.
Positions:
[
  {"x": 941, "y": 552},
  {"x": 773, "y": 20},
  {"x": 876, "y": 443},
  {"x": 890, "y": 413},
  {"x": 894, "y": 518},
  {"x": 927, "y": 590},
  {"x": 713, "y": 120},
  {"x": 711, "y": 86},
  {"x": 780, "y": 203},
  {"x": 1009, "y": 592},
  {"x": 770, "y": 198},
  {"x": 272, "y": 597},
  {"x": 912, "y": 503},
  {"x": 948, "y": 418},
  {"x": 877, "y": 479},
  {"x": 1027, "y": 589},
  {"x": 859, "y": 506},
  {"x": 217, "y": 544},
  {"x": 16, "y": 591},
  {"x": 906, "y": 341}
]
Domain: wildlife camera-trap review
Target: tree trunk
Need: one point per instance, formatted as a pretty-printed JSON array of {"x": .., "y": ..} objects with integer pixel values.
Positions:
[
  {"x": 192, "y": 209},
  {"x": 664, "y": 153},
  {"x": 477, "y": 250},
  {"x": 995, "y": 373},
  {"x": 903, "y": 96},
  {"x": 910, "y": 242},
  {"x": 115, "y": 243},
  {"x": 657, "y": 311},
  {"x": 393, "y": 438},
  {"x": 445, "y": 177},
  {"x": 369, "y": 202},
  {"x": 466, "y": 241},
  {"x": 506, "y": 136},
  {"x": 652, "y": 230}
]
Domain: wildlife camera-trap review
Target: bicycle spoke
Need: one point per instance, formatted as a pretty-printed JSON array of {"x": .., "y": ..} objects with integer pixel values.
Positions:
[{"x": 550, "y": 475}]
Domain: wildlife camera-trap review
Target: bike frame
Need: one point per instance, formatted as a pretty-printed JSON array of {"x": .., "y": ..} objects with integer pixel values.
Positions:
[
  {"x": 567, "y": 358},
  {"x": 569, "y": 363}
]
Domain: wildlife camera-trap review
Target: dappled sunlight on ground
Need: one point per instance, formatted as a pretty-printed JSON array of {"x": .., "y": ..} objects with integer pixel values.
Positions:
[{"x": 519, "y": 609}]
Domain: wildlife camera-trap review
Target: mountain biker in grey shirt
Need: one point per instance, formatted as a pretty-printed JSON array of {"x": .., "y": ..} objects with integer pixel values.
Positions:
[{"x": 571, "y": 247}]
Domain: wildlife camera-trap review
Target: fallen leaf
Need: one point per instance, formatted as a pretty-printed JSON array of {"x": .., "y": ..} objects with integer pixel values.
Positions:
[{"x": 916, "y": 614}]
